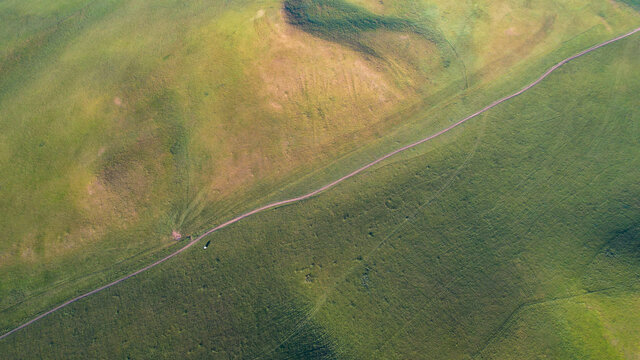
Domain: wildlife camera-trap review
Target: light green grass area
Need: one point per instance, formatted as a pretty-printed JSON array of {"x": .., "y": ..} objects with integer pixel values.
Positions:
[{"x": 514, "y": 236}]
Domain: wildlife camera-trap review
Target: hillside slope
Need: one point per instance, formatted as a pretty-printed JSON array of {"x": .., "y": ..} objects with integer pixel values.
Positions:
[
  {"x": 514, "y": 236},
  {"x": 127, "y": 124}
]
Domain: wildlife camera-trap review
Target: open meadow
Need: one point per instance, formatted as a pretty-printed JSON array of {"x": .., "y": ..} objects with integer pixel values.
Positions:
[{"x": 128, "y": 126}]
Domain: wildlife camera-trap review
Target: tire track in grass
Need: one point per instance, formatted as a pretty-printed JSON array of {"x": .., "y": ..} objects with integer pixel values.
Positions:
[{"x": 326, "y": 187}]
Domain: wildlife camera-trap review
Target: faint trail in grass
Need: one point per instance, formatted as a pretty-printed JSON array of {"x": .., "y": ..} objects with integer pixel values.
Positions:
[
  {"x": 459, "y": 58},
  {"x": 408, "y": 220},
  {"x": 324, "y": 188},
  {"x": 501, "y": 202},
  {"x": 513, "y": 315},
  {"x": 591, "y": 148}
]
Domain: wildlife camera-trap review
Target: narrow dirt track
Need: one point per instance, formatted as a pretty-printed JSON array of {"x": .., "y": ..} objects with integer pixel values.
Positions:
[{"x": 315, "y": 192}]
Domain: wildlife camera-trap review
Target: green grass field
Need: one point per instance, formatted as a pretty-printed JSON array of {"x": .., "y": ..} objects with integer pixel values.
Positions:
[{"x": 515, "y": 236}]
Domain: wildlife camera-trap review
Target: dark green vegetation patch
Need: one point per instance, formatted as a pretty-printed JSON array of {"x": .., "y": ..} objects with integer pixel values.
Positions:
[{"x": 340, "y": 21}]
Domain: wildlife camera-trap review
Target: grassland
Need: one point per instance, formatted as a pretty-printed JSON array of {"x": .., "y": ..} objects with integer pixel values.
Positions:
[
  {"x": 516, "y": 236},
  {"x": 121, "y": 122}
]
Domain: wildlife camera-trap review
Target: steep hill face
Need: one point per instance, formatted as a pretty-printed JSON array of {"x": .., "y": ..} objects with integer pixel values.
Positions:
[{"x": 126, "y": 125}]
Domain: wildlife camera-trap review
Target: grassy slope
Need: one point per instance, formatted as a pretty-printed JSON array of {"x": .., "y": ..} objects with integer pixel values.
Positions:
[
  {"x": 513, "y": 237},
  {"x": 104, "y": 152}
]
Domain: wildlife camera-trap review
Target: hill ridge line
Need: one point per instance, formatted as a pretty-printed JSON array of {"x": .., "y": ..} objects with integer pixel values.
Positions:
[{"x": 325, "y": 187}]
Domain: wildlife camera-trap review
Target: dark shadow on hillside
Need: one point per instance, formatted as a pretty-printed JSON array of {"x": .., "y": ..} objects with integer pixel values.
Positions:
[{"x": 341, "y": 22}]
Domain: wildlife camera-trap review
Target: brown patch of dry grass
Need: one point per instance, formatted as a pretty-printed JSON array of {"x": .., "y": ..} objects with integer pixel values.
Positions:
[{"x": 308, "y": 96}]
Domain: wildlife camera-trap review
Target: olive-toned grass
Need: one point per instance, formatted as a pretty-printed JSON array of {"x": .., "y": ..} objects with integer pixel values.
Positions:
[
  {"x": 123, "y": 121},
  {"x": 514, "y": 236}
]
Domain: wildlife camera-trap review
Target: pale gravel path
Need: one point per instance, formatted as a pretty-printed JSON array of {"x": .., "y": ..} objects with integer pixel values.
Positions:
[{"x": 313, "y": 193}]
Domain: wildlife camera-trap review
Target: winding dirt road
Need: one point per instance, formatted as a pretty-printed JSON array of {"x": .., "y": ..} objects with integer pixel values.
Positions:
[{"x": 328, "y": 186}]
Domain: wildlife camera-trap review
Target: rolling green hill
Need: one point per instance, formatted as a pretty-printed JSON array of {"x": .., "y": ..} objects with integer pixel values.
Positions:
[
  {"x": 124, "y": 122},
  {"x": 514, "y": 237}
]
